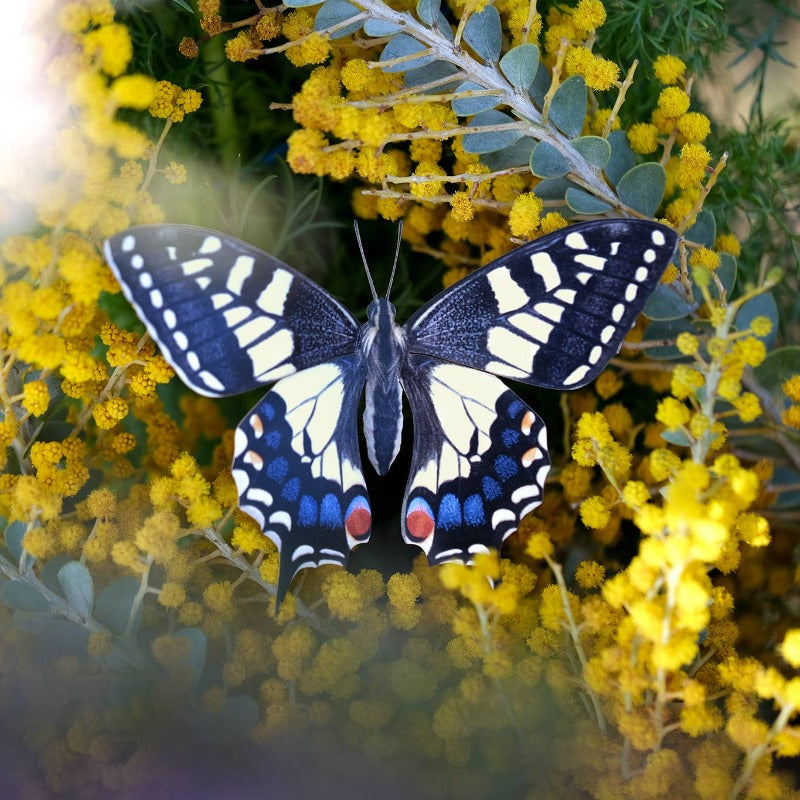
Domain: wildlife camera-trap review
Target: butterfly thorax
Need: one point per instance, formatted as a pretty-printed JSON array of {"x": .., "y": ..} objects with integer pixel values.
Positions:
[{"x": 383, "y": 345}]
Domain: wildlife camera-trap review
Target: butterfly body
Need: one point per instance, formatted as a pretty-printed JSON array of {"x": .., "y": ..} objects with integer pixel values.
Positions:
[{"x": 230, "y": 318}]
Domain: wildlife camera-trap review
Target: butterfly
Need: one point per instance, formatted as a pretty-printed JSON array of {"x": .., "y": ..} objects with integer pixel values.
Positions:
[{"x": 230, "y": 318}]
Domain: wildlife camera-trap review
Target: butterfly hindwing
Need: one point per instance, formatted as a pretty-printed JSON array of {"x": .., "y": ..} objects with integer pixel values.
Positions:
[
  {"x": 226, "y": 315},
  {"x": 553, "y": 311},
  {"x": 297, "y": 467},
  {"x": 479, "y": 462}
]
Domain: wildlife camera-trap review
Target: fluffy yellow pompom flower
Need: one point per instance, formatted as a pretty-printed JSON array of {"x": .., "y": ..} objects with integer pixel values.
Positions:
[
  {"x": 668, "y": 69},
  {"x": 643, "y": 138},
  {"x": 524, "y": 217},
  {"x": 790, "y": 647},
  {"x": 35, "y": 397},
  {"x": 595, "y": 512},
  {"x": 673, "y": 102},
  {"x": 134, "y": 91}
]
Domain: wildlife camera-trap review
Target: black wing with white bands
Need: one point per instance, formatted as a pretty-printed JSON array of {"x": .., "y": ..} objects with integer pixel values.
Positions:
[
  {"x": 226, "y": 315},
  {"x": 479, "y": 463},
  {"x": 297, "y": 467},
  {"x": 553, "y": 311}
]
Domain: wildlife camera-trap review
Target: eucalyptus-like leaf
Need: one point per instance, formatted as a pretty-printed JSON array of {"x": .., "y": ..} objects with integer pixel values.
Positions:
[
  {"x": 430, "y": 73},
  {"x": 240, "y": 715},
  {"x": 302, "y": 3},
  {"x": 515, "y": 155},
  {"x": 594, "y": 149},
  {"x": 552, "y": 188},
  {"x": 676, "y": 437},
  {"x": 582, "y": 202},
  {"x": 13, "y": 536},
  {"x": 519, "y": 65},
  {"x": 490, "y": 141},
  {"x": 198, "y": 646},
  {"x": 548, "y": 162},
  {"x": 466, "y": 106},
  {"x": 704, "y": 229},
  {"x": 483, "y": 33},
  {"x": 622, "y": 158},
  {"x": 334, "y": 12},
  {"x": 540, "y": 86},
  {"x": 21, "y": 595},
  {"x": 666, "y": 330},
  {"x": 772, "y": 372},
  {"x": 642, "y": 188},
  {"x": 762, "y": 305},
  {"x": 402, "y": 45},
  {"x": 113, "y": 605},
  {"x": 379, "y": 27},
  {"x": 667, "y": 302},
  {"x": 428, "y": 10},
  {"x": 568, "y": 106},
  {"x": 76, "y": 583}
]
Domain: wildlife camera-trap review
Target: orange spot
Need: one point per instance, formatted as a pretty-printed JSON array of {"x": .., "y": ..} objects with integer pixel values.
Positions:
[
  {"x": 527, "y": 422},
  {"x": 358, "y": 522},
  {"x": 529, "y": 456},
  {"x": 251, "y": 457},
  {"x": 257, "y": 425},
  {"x": 420, "y": 524}
]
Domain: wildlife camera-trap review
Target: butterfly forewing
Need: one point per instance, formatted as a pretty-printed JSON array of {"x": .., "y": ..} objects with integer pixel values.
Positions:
[
  {"x": 297, "y": 467},
  {"x": 479, "y": 462},
  {"x": 553, "y": 311},
  {"x": 226, "y": 315}
]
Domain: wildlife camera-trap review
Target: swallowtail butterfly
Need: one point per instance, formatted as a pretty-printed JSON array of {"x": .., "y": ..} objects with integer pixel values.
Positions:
[{"x": 230, "y": 318}]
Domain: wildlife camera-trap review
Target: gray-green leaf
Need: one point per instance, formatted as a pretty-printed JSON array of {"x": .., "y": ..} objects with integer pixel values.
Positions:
[
  {"x": 113, "y": 605},
  {"x": 519, "y": 65},
  {"x": 704, "y": 230},
  {"x": 762, "y": 305},
  {"x": 582, "y": 202},
  {"x": 594, "y": 149},
  {"x": 404, "y": 45},
  {"x": 21, "y": 595},
  {"x": 428, "y": 10},
  {"x": 379, "y": 27},
  {"x": 491, "y": 140},
  {"x": 13, "y": 536},
  {"x": 568, "y": 107},
  {"x": 666, "y": 302},
  {"x": 198, "y": 646},
  {"x": 642, "y": 188},
  {"x": 622, "y": 158},
  {"x": 466, "y": 106},
  {"x": 332, "y": 13},
  {"x": 484, "y": 35},
  {"x": 76, "y": 582},
  {"x": 548, "y": 162}
]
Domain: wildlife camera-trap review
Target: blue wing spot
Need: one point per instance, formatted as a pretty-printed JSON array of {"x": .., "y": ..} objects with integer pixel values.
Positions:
[
  {"x": 505, "y": 467},
  {"x": 473, "y": 510},
  {"x": 510, "y": 437},
  {"x": 278, "y": 469},
  {"x": 307, "y": 515},
  {"x": 272, "y": 440},
  {"x": 291, "y": 491},
  {"x": 268, "y": 410},
  {"x": 491, "y": 488},
  {"x": 330, "y": 512},
  {"x": 515, "y": 407},
  {"x": 449, "y": 512}
]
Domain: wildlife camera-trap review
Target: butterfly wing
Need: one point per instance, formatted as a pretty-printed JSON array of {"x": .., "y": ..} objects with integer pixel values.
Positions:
[
  {"x": 479, "y": 462},
  {"x": 553, "y": 311},
  {"x": 297, "y": 467},
  {"x": 226, "y": 315}
]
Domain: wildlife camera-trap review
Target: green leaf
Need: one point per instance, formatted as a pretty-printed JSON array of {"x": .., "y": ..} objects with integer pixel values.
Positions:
[
  {"x": 240, "y": 715},
  {"x": 490, "y": 141},
  {"x": 49, "y": 572},
  {"x": 466, "y": 106},
  {"x": 762, "y": 305},
  {"x": 548, "y": 162},
  {"x": 484, "y": 35},
  {"x": 404, "y": 45},
  {"x": 332, "y": 13},
  {"x": 541, "y": 83},
  {"x": 667, "y": 302},
  {"x": 777, "y": 367},
  {"x": 665, "y": 329},
  {"x": 13, "y": 536},
  {"x": 622, "y": 158},
  {"x": 642, "y": 188},
  {"x": 726, "y": 272},
  {"x": 584, "y": 203},
  {"x": 184, "y": 5},
  {"x": 113, "y": 605},
  {"x": 198, "y": 646},
  {"x": 428, "y": 10},
  {"x": 21, "y": 595},
  {"x": 379, "y": 27},
  {"x": 552, "y": 188},
  {"x": 594, "y": 149},
  {"x": 76, "y": 581},
  {"x": 704, "y": 230},
  {"x": 676, "y": 437},
  {"x": 432, "y": 72},
  {"x": 520, "y": 64},
  {"x": 515, "y": 155},
  {"x": 785, "y": 476},
  {"x": 568, "y": 107}
]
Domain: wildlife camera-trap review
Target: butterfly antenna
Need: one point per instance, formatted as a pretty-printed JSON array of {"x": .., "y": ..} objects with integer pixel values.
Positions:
[
  {"x": 364, "y": 259},
  {"x": 396, "y": 256}
]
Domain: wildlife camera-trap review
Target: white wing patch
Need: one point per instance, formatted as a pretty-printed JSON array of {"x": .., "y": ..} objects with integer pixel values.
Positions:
[{"x": 508, "y": 294}]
